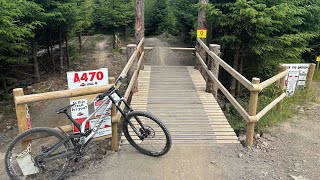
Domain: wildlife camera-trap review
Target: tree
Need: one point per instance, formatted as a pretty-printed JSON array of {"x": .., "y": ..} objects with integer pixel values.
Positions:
[
  {"x": 185, "y": 13},
  {"x": 264, "y": 33},
  {"x": 159, "y": 19},
  {"x": 14, "y": 33},
  {"x": 112, "y": 14}
]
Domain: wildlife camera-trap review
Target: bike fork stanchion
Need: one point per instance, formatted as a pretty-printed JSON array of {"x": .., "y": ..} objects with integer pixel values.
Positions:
[{"x": 114, "y": 139}]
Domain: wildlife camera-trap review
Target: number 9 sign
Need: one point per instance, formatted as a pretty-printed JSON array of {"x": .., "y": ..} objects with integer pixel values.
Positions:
[
  {"x": 202, "y": 33},
  {"x": 87, "y": 78}
]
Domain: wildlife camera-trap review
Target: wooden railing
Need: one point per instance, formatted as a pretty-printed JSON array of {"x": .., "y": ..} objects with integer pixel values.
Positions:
[
  {"x": 254, "y": 87},
  {"x": 22, "y": 100}
]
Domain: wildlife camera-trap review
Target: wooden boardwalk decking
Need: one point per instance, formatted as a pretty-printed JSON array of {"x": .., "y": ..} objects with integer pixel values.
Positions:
[{"x": 176, "y": 94}]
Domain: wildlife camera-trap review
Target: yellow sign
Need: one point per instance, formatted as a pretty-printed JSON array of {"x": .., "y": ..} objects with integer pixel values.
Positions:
[
  {"x": 318, "y": 58},
  {"x": 201, "y": 33}
]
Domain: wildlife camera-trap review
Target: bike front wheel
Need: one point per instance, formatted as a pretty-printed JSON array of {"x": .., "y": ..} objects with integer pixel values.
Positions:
[
  {"x": 147, "y": 133},
  {"x": 23, "y": 158}
]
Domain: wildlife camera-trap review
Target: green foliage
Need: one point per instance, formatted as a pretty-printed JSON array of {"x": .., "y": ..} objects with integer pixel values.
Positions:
[
  {"x": 159, "y": 18},
  {"x": 273, "y": 117},
  {"x": 112, "y": 14},
  {"x": 15, "y": 29},
  {"x": 265, "y": 32},
  {"x": 185, "y": 13},
  {"x": 316, "y": 76}
]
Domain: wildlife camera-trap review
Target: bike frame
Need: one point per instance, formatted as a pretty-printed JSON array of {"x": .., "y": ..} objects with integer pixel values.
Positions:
[
  {"x": 116, "y": 99},
  {"x": 113, "y": 98}
]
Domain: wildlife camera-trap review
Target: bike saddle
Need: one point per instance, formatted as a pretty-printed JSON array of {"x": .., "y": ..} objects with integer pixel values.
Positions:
[{"x": 64, "y": 109}]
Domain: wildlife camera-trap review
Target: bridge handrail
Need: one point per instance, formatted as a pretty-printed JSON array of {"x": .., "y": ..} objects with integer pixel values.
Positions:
[
  {"x": 132, "y": 58},
  {"x": 254, "y": 87},
  {"x": 250, "y": 86}
]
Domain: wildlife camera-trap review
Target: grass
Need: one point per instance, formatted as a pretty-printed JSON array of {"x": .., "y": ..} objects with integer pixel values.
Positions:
[
  {"x": 273, "y": 117},
  {"x": 316, "y": 76}
]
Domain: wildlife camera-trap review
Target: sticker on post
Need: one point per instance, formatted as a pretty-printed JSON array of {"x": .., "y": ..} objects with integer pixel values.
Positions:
[{"x": 202, "y": 33}]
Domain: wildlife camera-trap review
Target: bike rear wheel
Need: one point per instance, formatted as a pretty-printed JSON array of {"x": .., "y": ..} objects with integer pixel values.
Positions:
[
  {"x": 155, "y": 139},
  {"x": 24, "y": 163}
]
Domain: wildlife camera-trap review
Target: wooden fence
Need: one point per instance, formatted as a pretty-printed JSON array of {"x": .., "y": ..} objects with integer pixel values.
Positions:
[
  {"x": 254, "y": 87},
  {"x": 133, "y": 65}
]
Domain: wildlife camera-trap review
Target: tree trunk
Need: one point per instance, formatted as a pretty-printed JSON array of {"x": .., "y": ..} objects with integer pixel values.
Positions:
[
  {"x": 35, "y": 60},
  {"x": 52, "y": 59},
  {"x": 139, "y": 21},
  {"x": 52, "y": 54},
  {"x": 4, "y": 85},
  {"x": 80, "y": 42},
  {"x": 67, "y": 52},
  {"x": 235, "y": 67},
  {"x": 241, "y": 72},
  {"x": 202, "y": 23},
  {"x": 126, "y": 32},
  {"x": 114, "y": 40},
  {"x": 60, "y": 52}
]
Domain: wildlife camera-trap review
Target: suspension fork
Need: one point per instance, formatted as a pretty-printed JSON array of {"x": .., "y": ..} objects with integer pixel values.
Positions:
[{"x": 125, "y": 115}]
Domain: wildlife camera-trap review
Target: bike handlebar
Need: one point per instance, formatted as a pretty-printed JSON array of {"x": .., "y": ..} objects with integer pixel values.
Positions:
[{"x": 114, "y": 87}]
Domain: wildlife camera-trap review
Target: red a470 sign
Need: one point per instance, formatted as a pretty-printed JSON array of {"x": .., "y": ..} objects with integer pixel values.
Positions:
[{"x": 87, "y": 78}]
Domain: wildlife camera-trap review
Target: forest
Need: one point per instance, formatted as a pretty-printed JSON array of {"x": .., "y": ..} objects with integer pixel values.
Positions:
[{"x": 255, "y": 35}]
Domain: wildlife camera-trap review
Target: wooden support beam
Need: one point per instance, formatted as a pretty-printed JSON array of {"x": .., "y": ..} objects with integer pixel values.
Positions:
[
  {"x": 232, "y": 100},
  {"x": 131, "y": 49},
  {"x": 310, "y": 76},
  {"x": 253, "y": 105},
  {"x": 213, "y": 65},
  {"x": 139, "y": 64},
  {"x": 114, "y": 139},
  {"x": 60, "y": 94},
  {"x": 244, "y": 81},
  {"x": 281, "y": 84},
  {"x": 21, "y": 111},
  {"x": 270, "y": 106}
]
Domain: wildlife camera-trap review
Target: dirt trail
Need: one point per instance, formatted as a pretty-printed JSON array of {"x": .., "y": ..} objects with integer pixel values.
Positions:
[{"x": 163, "y": 55}]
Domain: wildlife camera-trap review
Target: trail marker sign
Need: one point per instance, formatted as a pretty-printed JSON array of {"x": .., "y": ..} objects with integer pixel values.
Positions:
[
  {"x": 318, "y": 58},
  {"x": 296, "y": 78},
  {"x": 87, "y": 78},
  {"x": 80, "y": 112},
  {"x": 202, "y": 33}
]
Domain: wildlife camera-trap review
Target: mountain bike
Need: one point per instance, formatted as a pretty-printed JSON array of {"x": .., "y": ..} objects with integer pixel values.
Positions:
[{"x": 46, "y": 153}]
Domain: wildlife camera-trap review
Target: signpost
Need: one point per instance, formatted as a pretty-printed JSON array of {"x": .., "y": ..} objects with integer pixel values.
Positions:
[
  {"x": 80, "y": 111},
  {"x": 296, "y": 78},
  {"x": 318, "y": 60},
  {"x": 202, "y": 33}
]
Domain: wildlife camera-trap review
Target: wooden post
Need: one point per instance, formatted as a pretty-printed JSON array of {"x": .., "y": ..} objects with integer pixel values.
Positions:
[
  {"x": 111, "y": 80},
  {"x": 202, "y": 23},
  {"x": 21, "y": 113},
  {"x": 130, "y": 50},
  {"x": 114, "y": 138},
  {"x": 213, "y": 65},
  {"x": 281, "y": 84},
  {"x": 252, "y": 112},
  {"x": 139, "y": 25},
  {"x": 310, "y": 76}
]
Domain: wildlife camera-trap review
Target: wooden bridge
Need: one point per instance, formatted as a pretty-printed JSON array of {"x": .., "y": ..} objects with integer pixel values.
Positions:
[{"x": 176, "y": 94}]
